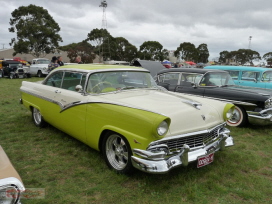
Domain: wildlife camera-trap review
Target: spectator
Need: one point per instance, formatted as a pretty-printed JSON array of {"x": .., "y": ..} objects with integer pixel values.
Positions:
[
  {"x": 78, "y": 60},
  {"x": 60, "y": 62},
  {"x": 53, "y": 64}
]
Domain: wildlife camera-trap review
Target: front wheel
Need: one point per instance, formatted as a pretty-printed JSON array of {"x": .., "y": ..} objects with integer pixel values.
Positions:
[
  {"x": 239, "y": 118},
  {"x": 11, "y": 76},
  {"x": 117, "y": 153},
  {"x": 37, "y": 118}
]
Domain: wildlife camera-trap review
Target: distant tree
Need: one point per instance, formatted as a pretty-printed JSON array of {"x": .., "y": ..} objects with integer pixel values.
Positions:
[
  {"x": 247, "y": 56},
  {"x": 187, "y": 51},
  {"x": 151, "y": 50},
  {"x": 83, "y": 49},
  {"x": 224, "y": 57},
  {"x": 268, "y": 57},
  {"x": 37, "y": 32},
  {"x": 122, "y": 50},
  {"x": 165, "y": 54},
  {"x": 203, "y": 53},
  {"x": 100, "y": 39}
]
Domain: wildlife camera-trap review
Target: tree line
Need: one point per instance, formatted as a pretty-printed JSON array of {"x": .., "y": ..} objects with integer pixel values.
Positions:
[{"x": 38, "y": 34}]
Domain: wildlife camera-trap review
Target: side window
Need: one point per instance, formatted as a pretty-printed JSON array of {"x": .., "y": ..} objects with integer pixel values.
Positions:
[
  {"x": 234, "y": 74},
  {"x": 192, "y": 78},
  {"x": 72, "y": 79},
  {"x": 54, "y": 80},
  {"x": 267, "y": 76},
  {"x": 250, "y": 75},
  {"x": 171, "y": 78}
]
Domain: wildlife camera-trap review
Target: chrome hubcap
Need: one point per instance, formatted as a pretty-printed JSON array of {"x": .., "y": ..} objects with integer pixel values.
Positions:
[
  {"x": 117, "y": 152},
  {"x": 37, "y": 116},
  {"x": 236, "y": 117}
]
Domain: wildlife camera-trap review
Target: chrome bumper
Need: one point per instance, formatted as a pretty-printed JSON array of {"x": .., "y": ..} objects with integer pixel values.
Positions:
[
  {"x": 159, "y": 162},
  {"x": 262, "y": 118}
]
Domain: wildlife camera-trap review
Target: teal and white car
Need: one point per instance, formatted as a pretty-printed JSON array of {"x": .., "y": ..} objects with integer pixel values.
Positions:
[
  {"x": 258, "y": 77},
  {"x": 120, "y": 111}
]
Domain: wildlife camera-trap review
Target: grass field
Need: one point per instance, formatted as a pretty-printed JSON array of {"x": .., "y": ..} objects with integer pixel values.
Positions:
[{"x": 71, "y": 172}]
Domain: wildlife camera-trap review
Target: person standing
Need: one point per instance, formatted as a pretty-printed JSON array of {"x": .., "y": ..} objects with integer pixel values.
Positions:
[
  {"x": 60, "y": 62},
  {"x": 53, "y": 64},
  {"x": 78, "y": 60}
]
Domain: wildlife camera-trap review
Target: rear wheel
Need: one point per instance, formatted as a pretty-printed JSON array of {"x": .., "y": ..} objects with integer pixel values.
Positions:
[
  {"x": 239, "y": 118},
  {"x": 37, "y": 118},
  {"x": 40, "y": 74},
  {"x": 117, "y": 153}
]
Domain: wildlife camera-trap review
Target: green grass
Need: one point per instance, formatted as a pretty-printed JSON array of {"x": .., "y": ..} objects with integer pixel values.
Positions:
[{"x": 71, "y": 172}]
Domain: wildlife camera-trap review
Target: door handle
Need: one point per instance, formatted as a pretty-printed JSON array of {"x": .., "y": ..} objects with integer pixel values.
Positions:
[{"x": 57, "y": 91}]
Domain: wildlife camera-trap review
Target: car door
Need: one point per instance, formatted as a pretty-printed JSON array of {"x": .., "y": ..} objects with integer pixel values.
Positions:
[
  {"x": 189, "y": 83},
  {"x": 251, "y": 78},
  {"x": 71, "y": 112}
]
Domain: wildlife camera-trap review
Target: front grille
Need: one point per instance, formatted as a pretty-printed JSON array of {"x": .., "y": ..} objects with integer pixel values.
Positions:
[{"x": 193, "y": 141}]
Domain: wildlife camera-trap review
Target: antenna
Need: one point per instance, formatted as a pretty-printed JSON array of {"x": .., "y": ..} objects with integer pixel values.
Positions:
[
  {"x": 249, "y": 44},
  {"x": 104, "y": 26}
]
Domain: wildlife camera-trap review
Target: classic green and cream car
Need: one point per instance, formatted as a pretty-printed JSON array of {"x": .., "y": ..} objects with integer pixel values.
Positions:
[{"x": 120, "y": 111}]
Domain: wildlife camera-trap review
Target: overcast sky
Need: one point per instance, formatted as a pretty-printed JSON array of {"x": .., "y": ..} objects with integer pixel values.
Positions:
[{"x": 222, "y": 25}]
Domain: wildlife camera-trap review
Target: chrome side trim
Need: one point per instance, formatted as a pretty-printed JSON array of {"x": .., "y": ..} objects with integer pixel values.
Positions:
[
  {"x": 43, "y": 97},
  {"x": 225, "y": 100},
  {"x": 77, "y": 103}
]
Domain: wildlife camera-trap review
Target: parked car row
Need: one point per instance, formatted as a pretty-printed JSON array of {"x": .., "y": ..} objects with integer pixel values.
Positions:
[
  {"x": 122, "y": 112},
  {"x": 258, "y": 77},
  {"x": 15, "y": 69},
  {"x": 251, "y": 105}
]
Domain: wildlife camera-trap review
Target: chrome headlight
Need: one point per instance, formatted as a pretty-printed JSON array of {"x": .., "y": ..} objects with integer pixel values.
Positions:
[
  {"x": 162, "y": 128},
  {"x": 268, "y": 103},
  {"x": 230, "y": 113}
]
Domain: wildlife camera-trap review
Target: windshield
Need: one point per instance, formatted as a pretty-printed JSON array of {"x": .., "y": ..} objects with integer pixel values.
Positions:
[
  {"x": 119, "y": 80},
  {"x": 216, "y": 79},
  {"x": 267, "y": 76}
]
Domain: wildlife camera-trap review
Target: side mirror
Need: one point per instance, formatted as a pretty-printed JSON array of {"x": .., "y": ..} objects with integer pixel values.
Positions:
[
  {"x": 193, "y": 85},
  {"x": 79, "y": 88}
]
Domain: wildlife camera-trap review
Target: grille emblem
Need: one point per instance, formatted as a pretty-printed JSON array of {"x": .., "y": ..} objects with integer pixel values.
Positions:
[{"x": 203, "y": 117}]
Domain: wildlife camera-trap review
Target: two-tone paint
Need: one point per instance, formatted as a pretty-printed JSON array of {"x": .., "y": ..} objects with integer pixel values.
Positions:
[{"x": 135, "y": 114}]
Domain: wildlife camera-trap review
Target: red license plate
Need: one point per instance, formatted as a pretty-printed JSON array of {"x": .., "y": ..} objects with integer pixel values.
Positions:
[{"x": 205, "y": 160}]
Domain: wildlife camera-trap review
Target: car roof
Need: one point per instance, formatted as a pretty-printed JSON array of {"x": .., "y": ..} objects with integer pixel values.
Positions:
[
  {"x": 190, "y": 70},
  {"x": 243, "y": 68},
  {"x": 100, "y": 67}
]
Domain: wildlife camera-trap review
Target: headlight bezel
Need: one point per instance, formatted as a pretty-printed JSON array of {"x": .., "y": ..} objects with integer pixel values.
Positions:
[
  {"x": 228, "y": 111},
  {"x": 162, "y": 128},
  {"x": 268, "y": 103}
]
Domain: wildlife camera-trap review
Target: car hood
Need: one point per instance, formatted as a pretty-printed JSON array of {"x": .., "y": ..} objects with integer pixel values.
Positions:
[{"x": 185, "y": 117}]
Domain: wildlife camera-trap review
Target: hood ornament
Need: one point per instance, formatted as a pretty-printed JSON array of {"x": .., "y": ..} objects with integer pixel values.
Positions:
[{"x": 193, "y": 103}]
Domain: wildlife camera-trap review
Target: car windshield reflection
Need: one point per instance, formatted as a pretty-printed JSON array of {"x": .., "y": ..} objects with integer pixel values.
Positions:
[
  {"x": 104, "y": 82},
  {"x": 216, "y": 79}
]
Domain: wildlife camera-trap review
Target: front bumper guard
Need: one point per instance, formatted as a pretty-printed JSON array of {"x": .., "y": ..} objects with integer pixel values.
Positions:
[
  {"x": 157, "y": 163},
  {"x": 262, "y": 117}
]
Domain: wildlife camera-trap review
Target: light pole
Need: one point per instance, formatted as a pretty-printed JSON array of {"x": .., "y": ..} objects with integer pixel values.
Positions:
[{"x": 250, "y": 37}]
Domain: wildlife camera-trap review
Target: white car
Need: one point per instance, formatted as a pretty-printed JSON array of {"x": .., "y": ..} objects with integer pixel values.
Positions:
[{"x": 39, "y": 67}]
